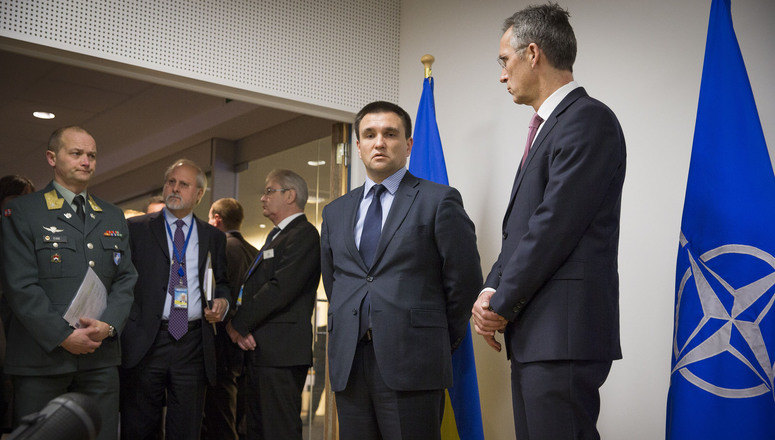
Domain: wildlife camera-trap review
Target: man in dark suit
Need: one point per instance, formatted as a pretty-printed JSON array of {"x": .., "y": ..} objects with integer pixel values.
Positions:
[
  {"x": 168, "y": 344},
  {"x": 51, "y": 238},
  {"x": 554, "y": 289},
  {"x": 401, "y": 270},
  {"x": 273, "y": 323},
  {"x": 220, "y": 416}
]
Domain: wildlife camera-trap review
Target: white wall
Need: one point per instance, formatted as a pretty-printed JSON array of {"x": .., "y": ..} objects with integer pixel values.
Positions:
[{"x": 643, "y": 59}]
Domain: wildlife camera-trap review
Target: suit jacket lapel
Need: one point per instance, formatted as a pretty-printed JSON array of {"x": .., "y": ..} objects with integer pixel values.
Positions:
[
  {"x": 538, "y": 143},
  {"x": 204, "y": 247},
  {"x": 159, "y": 231},
  {"x": 349, "y": 218}
]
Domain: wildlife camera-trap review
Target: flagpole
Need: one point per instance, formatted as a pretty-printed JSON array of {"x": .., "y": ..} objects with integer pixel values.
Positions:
[{"x": 427, "y": 61}]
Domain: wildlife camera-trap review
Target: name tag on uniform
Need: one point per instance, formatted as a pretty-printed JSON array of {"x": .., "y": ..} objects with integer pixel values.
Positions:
[{"x": 267, "y": 254}]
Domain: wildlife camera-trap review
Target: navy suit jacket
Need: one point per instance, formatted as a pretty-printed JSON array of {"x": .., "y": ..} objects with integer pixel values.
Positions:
[
  {"x": 279, "y": 296},
  {"x": 150, "y": 255},
  {"x": 425, "y": 278},
  {"x": 556, "y": 277}
]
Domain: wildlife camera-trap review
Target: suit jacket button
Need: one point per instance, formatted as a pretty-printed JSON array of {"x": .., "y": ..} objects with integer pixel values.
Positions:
[
  {"x": 505, "y": 235},
  {"x": 89, "y": 245},
  {"x": 369, "y": 279},
  {"x": 355, "y": 312},
  {"x": 91, "y": 263}
]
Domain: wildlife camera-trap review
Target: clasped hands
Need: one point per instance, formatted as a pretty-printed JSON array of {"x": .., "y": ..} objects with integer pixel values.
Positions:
[
  {"x": 247, "y": 343},
  {"x": 87, "y": 337},
  {"x": 487, "y": 322}
]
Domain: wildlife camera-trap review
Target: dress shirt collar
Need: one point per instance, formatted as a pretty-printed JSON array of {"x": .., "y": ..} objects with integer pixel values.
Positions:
[
  {"x": 551, "y": 103},
  {"x": 171, "y": 219},
  {"x": 391, "y": 183},
  {"x": 284, "y": 222},
  {"x": 69, "y": 195}
]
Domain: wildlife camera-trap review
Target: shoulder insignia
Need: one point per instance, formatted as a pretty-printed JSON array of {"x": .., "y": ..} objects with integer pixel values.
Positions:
[
  {"x": 94, "y": 206},
  {"x": 53, "y": 201},
  {"x": 7, "y": 212}
]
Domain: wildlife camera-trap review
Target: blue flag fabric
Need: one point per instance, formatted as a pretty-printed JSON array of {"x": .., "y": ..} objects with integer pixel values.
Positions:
[
  {"x": 427, "y": 162},
  {"x": 721, "y": 383}
]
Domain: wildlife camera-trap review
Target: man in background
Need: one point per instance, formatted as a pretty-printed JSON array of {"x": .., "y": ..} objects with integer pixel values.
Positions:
[
  {"x": 168, "y": 344},
  {"x": 220, "y": 416},
  {"x": 50, "y": 240},
  {"x": 273, "y": 323},
  {"x": 554, "y": 289}
]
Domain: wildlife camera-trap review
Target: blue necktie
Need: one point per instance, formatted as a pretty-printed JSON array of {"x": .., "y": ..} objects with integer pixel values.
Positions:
[
  {"x": 372, "y": 229},
  {"x": 372, "y": 226}
]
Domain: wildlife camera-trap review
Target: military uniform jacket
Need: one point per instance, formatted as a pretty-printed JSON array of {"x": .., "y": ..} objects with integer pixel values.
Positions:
[{"x": 46, "y": 253}]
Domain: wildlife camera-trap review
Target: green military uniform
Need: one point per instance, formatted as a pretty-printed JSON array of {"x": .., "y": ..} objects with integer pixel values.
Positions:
[{"x": 46, "y": 253}]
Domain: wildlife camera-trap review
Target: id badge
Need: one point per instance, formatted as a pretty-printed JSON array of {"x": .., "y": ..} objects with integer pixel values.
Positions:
[{"x": 181, "y": 297}]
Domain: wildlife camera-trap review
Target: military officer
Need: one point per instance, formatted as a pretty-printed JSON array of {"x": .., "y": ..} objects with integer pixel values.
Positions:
[{"x": 51, "y": 238}]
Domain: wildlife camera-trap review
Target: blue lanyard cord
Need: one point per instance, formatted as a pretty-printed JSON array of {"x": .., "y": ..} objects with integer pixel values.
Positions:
[{"x": 185, "y": 245}]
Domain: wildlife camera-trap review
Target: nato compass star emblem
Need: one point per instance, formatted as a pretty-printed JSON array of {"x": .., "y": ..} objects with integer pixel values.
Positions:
[{"x": 724, "y": 341}]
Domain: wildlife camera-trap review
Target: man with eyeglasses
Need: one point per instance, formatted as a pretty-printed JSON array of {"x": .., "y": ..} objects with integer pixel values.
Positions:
[
  {"x": 273, "y": 322},
  {"x": 168, "y": 343},
  {"x": 554, "y": 290}
]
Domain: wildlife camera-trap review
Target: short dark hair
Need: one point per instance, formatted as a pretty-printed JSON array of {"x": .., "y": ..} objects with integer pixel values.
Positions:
[
  {"x": 55, "y": 140},
  {"x": 548, "y": 27},
  {"x": 14, "y": 185},
  {"x": 231, "y": 213},
  {"x": 383, "y": 107}
]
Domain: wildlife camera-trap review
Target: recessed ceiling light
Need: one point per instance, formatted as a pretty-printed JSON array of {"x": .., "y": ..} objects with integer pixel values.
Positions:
[
  {"x": 44, "y": 115},
  {"x": 316, "y": 163},
  {"x": 262, "y": 226}
]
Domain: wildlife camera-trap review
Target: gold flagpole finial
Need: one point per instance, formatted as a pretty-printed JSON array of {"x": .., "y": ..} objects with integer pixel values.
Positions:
[{"x": 427, "y": 61}]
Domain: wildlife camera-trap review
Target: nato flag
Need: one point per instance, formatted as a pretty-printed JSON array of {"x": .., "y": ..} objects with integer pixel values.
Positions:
[{"x": 721, "y": 383}]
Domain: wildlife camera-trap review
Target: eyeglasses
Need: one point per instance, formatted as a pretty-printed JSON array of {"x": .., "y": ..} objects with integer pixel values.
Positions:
[
  {"x": 502, "y": 60},
  {"x": 268, "y": 192}
]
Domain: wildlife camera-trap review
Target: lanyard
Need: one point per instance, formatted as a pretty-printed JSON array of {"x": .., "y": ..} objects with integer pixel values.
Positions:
[{"x": 185, "y": 244}]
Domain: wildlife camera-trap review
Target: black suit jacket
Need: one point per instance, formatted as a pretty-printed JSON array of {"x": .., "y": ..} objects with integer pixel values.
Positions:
[
  {"x": 556, "y": 277},
  {"x": 279, "y": 297},
  {"x": 424, "y": 279},
  {"x": 150, "y": 255}
]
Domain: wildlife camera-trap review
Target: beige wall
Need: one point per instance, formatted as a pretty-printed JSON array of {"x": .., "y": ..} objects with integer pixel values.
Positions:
[{"x": 642, "y": 58}]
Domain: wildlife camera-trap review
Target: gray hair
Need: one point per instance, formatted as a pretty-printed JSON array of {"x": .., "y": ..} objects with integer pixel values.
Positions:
[
  {"x": 201, "y": 178},
  {"x": 291, "y": 180},
  {"x": 548, "y": 27}
]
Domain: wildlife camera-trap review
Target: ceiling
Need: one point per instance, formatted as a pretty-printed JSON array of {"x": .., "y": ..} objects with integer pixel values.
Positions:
[{"x": 134, "y": 122}]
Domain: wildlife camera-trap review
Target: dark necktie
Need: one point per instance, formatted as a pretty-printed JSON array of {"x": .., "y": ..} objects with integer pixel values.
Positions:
[
  {"x": 79, "y": 211},
  {"x": 532, "y": 129},
  {"x": 178, "y": 316},
  {"x": 372, "y": 226},
  {"x": 270, "y": 237},
  {"x": 372, "y": 229}
]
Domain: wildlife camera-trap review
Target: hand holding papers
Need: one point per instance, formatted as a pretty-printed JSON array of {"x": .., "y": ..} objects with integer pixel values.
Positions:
[{"x": 90, "y": 301}]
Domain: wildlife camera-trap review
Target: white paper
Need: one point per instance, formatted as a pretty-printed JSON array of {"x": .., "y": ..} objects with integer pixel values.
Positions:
[
  {"x": 90, "y": 301},
  {"x": 208, "y": 281}
]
